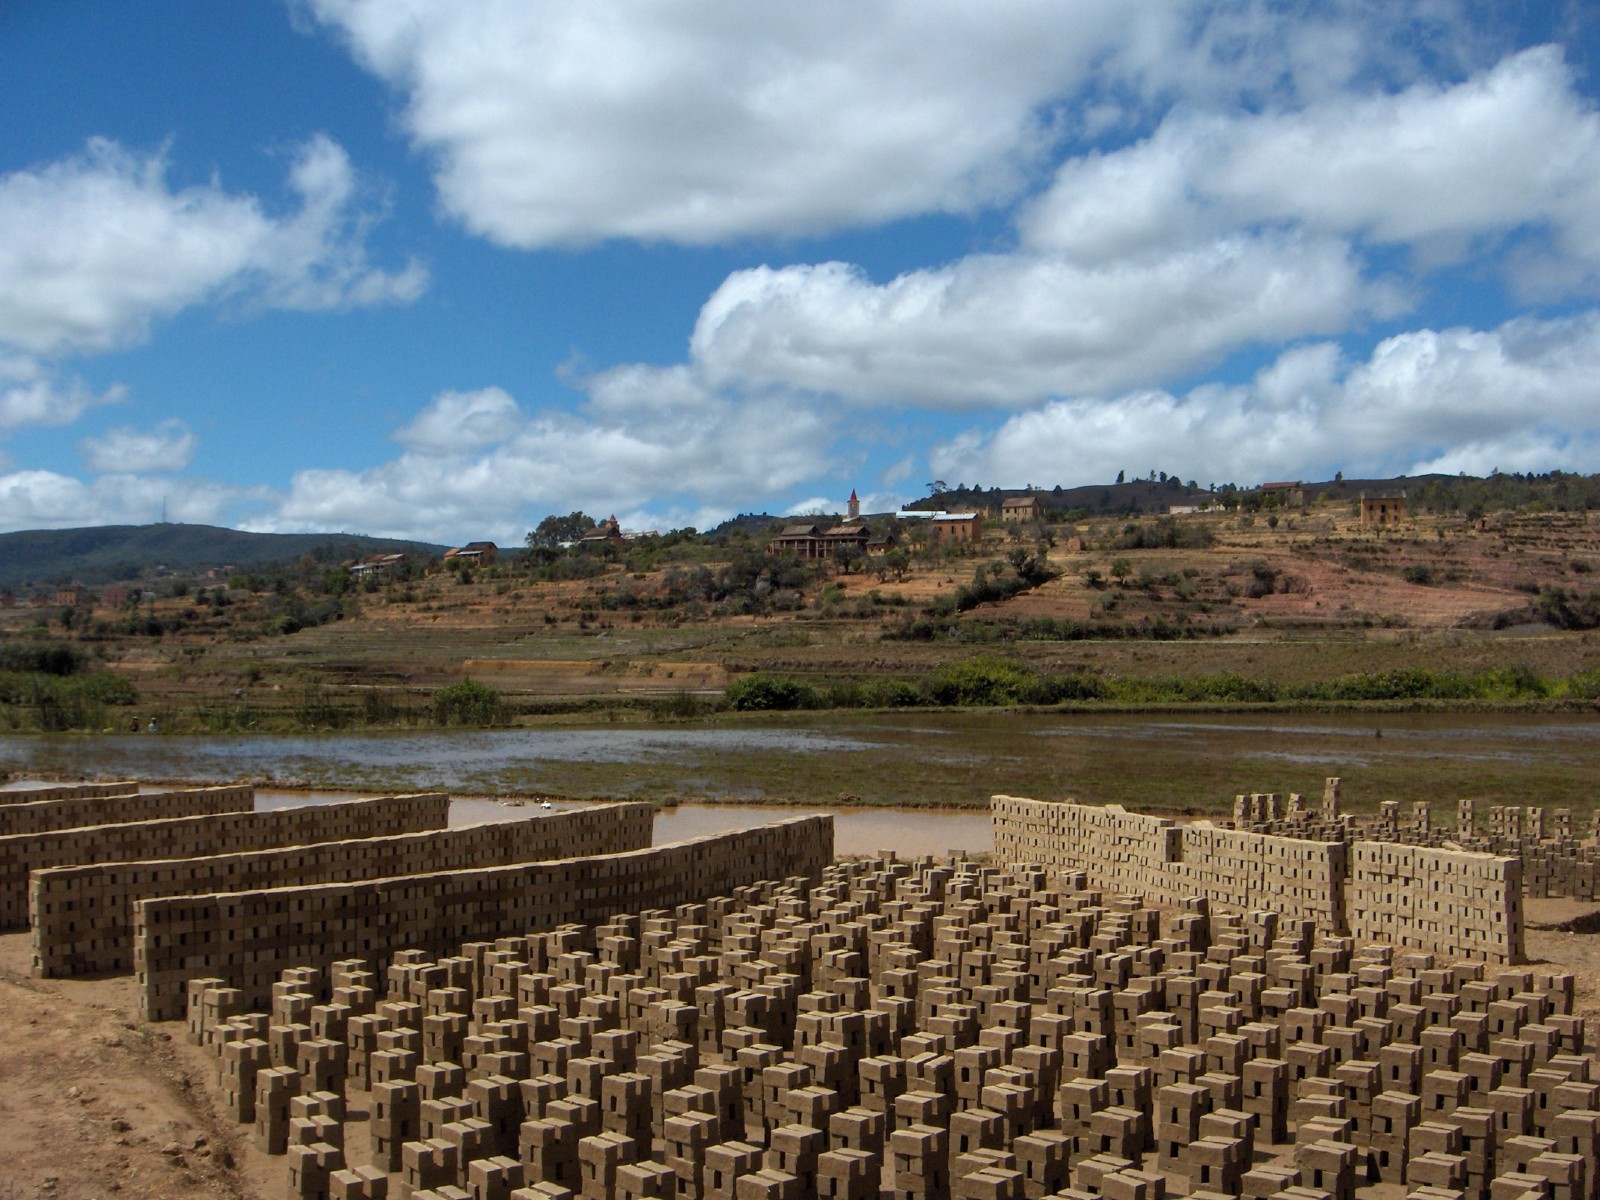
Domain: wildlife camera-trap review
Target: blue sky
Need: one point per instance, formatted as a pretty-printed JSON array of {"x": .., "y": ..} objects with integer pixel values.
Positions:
[{"x": 437, "y": 268}]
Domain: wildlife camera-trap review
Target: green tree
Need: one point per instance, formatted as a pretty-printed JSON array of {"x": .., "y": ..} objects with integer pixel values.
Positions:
[{"x": 556, "y": 530}]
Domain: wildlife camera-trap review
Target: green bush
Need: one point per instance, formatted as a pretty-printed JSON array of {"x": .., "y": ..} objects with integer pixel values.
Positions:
[
  {"x": 468, "y": 703},
  {"x": 770, "y": 693},
  {"x": 984, "y": 680},
  {"x": 48, "y": 657}
]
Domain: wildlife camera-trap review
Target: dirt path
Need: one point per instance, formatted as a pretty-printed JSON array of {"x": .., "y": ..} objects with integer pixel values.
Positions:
[{"x": 96, "y": 1103}]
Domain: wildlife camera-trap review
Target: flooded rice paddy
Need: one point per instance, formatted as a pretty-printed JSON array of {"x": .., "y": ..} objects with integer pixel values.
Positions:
[{"x": 871, "y": 768}]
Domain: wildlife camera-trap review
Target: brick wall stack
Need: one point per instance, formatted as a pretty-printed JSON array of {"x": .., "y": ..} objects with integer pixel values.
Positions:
[
  {"x": 915, "y": 1030},
  {"x": 67, "y": 791},
  {"x": 82, "y": 916},
  {"x": 1166, "y": 862},
  {"x": 43, "y": 816},
  {"x": 250, "y": 937},
  {"x": 186, "y": 837},
  {"x": 1449, "y": 902}
]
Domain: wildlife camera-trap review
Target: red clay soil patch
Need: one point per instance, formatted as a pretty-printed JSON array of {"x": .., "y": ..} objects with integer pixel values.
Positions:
[{"x": 94, "y": 1101}]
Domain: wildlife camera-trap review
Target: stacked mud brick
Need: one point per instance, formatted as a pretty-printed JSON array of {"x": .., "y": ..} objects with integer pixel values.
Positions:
[
  {"x": 185, "y": 837},
  {"x": 39, "y": 815},
  {"x": 1445, "y": 901},
  {"x": 1268, "y": 812},
  {"x": 1557, "y": 860},
  {"x": 82, "y": 916},
  {"x": 1453, "y": 902},
  {"x": 250, "y": 937},
  {"x": 930, "y": 1032},
  {"x": 67, "y": 791}
]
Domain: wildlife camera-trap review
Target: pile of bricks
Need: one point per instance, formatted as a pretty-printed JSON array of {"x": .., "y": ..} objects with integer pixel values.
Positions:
[
  {"x": 250, "y": 937},
  {"x": 70, "y": 812},
  {"x": 224, "y": 833},
  {"x": 82, "y": 916},
  {"x": 944, "y": 1032},
  {"x": 1557, "y": 860},
  {"x": 1446, "y": 901},
  {"x": 67, "y": 791}
]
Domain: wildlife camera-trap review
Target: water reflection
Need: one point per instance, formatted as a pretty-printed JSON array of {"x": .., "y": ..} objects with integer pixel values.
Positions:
[
  {"x": 486, "y": 761},
  {"x": 909, "y": 833}
]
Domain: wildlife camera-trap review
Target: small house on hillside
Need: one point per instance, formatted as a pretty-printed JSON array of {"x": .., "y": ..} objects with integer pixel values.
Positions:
[
  {"x": 71, "y": 595},
  {"x": 1021, "y": 508},
  {"x": 1382, "y": 509},
  {"x": 476, "y": 553},
  {"x": 375, "y": 566},
  {"x": 945, "y": 526},
  {"x": 813, "y": 542},
  {"x": 1285, "y": 494},
  {"x": 607, "y": 531}
]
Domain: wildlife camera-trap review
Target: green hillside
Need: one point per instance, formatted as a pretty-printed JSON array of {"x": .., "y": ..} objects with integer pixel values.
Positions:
[{"x": 109, "y": 553}]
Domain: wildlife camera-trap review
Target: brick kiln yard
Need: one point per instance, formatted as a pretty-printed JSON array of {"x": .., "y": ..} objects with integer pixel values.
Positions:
[
  {"x": 947, "y": 1030},
  {"x": 95, "y": 1102}
]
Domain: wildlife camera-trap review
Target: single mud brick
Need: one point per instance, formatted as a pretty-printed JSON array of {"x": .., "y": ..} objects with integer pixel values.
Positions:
[
  {"x": 310, "y": 1169},
  {"x": 358, "y": 1183},
  {"x": 1329, "y": 1166},
  {"x": 725, "y": 1163},
  {"x": 430, "y": 1164}
]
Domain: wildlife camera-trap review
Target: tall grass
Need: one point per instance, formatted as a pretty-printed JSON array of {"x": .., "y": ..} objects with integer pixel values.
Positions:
[{"x": 988, "y": 680}]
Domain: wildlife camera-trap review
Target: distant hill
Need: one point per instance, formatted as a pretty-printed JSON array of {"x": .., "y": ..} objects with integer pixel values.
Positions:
[{"x": 110, "y": 553}]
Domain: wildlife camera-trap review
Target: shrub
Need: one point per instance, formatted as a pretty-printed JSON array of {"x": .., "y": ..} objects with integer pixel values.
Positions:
[
  {"x": 48, "y": 657},
  {"x": 770, "y": 693},
  {"x": 468, "y": 703},
  {"x": 986, "y": 679}
]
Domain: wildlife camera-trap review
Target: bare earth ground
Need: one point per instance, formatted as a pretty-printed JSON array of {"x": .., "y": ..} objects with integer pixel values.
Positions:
[{"x": 96, "y": 1103}]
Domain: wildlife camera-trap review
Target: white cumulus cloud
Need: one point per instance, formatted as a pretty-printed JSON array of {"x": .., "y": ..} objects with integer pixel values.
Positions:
[
  {"x": 458, "y": 421},
  {"x": 570, "y": 123},
  {"x": 34, "y": 499},
  {"x": 168, "y": 447},
  {"x": 96, "y": 248},
  {"x": 1010, "y": 330},
  {"x": 32, "y": 393},
  {"x": 1442, "y": 169},
  {"x": 644, "y": 433},
  {"x": 1520, "y": 397},
  {"x": 580, "y": 120}
]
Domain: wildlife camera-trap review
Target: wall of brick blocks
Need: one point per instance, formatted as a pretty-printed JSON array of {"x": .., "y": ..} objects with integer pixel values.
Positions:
[
  {"x": 1447, "y": 901},
  {"x": 1165, "y": 862},
  {"x": 82, "y": 916},
  {"x": 247, "y": 938},
  {"x": 43, "y": 816},
  {"x": 67, "y": 791},
  {"x": 1428, "y": 899},
  {"x": 186, "y": 837}
]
